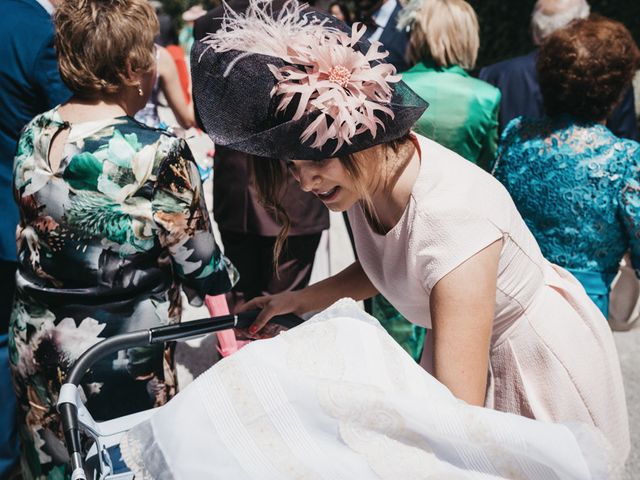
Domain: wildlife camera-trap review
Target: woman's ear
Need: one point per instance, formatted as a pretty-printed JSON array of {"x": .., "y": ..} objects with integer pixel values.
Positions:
[{"x": 133, "y": 77}]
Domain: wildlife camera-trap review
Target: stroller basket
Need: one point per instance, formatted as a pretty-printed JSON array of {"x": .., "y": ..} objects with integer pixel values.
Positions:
[{"x": 74, "y": 415}]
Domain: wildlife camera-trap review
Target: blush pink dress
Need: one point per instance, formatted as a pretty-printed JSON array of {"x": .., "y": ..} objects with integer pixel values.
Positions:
[{"x": 552, "y": 353}]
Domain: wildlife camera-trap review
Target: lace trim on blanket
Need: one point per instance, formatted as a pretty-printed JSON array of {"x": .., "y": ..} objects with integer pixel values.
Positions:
[
  {"x": 143, "y": 455},
  {"x": 596, "y": 450},
  {"x": 372, "y": 426}
]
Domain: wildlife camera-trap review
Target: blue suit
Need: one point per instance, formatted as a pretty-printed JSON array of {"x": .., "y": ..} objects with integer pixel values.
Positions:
[
  {"x": 395, "y": 41},
  {"x": 517, "y": 80},
  {"x": 29, "y": 84}
]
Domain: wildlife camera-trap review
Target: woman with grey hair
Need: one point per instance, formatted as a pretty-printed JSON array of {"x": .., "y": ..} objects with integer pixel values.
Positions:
[
  {"x": 551, "y": 15},
  {"x": 518, "y": 81}
]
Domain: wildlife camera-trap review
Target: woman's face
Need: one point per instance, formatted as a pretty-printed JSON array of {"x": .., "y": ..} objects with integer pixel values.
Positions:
[{"x": 326, "y": 179}]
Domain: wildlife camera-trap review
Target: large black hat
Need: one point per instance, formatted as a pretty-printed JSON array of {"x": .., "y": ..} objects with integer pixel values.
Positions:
[{"x": 269, "y": 104}]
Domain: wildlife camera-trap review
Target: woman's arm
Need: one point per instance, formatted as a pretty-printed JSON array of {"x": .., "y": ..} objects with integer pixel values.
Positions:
[
  {"x": 170, "y": 85},
  {"x": 628, "y": 208},
  {"x": 462, "y": 308},
  {"x": 351, "y": 282},
  {"x": 184, "y": 229}
]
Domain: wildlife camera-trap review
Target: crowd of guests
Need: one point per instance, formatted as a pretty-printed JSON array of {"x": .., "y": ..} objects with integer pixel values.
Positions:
[{"x": 112, "y": 223}]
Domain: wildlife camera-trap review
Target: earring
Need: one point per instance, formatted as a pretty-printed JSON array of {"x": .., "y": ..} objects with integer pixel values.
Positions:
[{"x": 140, "y": 92}]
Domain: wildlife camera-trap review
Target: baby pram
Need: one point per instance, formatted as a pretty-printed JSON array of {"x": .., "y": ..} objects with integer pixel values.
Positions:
[{"x": 102, "y": 461}]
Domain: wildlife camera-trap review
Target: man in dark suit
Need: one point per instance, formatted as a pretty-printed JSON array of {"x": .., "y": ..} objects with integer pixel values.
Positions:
[
  {"x": 517, "y": 78},
  {"x": 381, "y": 18},
  {"x": 247, "y": 229},
  {"x": 29, "y": 84}
]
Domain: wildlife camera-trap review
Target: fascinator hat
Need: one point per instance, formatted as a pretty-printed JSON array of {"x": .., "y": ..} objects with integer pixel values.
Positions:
[{"x": 297, "y": 84}]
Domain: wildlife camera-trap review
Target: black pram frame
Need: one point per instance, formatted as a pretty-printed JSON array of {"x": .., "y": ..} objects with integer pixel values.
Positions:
[{"x": 69, "y": 401}]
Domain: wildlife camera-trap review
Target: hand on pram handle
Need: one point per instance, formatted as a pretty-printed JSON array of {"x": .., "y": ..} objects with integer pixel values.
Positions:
[{"x": 68, "y": 398}]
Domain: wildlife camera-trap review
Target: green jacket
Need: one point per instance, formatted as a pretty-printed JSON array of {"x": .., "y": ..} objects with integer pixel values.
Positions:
[{"x": 462, "y": 113}]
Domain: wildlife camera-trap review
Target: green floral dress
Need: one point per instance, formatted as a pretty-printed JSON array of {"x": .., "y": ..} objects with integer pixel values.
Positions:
[{"x": 105, "y": 243}]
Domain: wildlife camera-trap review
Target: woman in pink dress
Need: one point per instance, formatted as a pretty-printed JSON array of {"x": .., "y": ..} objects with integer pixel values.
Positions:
[{"x": 436, "y": 235}]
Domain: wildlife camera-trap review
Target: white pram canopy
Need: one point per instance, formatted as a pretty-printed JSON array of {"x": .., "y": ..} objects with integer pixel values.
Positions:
[{"x": 337, "y": 398}]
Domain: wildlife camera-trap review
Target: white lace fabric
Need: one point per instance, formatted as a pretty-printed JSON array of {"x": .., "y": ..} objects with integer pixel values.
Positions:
[{"x": 337, "y": 398}]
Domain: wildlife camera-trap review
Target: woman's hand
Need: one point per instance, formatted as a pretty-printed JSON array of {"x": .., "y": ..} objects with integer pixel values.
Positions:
[
  {"x": 272, "y": 305},
  {"x": 270, "y": 330},
  {"x": 350, "y": 282}
]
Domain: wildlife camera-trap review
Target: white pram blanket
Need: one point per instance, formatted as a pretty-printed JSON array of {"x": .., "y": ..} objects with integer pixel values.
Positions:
[{"x": 337, "y": 398}]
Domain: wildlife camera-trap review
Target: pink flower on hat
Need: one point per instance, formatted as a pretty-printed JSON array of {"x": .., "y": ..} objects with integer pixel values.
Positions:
[
  {"x": 345, "y": 85},
  {"x": 324, "y": 72}
]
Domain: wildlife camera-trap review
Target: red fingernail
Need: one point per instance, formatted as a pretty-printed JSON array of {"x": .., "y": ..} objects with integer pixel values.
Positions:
[{"x": 253, "y": 329}]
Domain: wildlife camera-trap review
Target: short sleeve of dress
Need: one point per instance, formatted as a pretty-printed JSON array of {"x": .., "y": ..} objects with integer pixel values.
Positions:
[
  {"x": 630, "y": 207},
  {"x": 452, "y": 241},
  {"x": 184, "y": 227}
]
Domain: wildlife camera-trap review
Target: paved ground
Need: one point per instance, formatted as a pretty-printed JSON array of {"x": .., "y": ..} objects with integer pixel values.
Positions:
[{"x": 629, "y": 350}]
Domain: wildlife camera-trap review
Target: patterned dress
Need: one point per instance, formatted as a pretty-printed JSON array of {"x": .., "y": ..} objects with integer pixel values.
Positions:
[
  {"x": 105, "y": 244},
  {"x": 577, "y": 187}
]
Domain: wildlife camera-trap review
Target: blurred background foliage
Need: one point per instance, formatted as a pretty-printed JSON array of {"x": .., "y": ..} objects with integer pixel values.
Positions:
[{"x": 504, "y": 24}]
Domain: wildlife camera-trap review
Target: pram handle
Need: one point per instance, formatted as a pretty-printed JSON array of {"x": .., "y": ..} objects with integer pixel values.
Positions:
[
  {"x": 67, "y": 406},
  {"x": 166, "y": 333}
]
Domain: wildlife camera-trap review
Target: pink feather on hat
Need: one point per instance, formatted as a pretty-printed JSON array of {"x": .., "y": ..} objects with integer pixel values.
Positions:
[{"x": 346, "y": 86}]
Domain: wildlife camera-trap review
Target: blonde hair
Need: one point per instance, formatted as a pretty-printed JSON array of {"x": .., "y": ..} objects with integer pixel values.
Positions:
[
  {"x": 98, "y": 41},
  {"x": 445, "y": 31}
]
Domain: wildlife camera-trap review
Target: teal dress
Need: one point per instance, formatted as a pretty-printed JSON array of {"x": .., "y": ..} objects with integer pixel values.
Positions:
[
  {"x": 577, "y": 187},
  {"x": 462, "y": 113},
  {"x": 462, "y": 116}
]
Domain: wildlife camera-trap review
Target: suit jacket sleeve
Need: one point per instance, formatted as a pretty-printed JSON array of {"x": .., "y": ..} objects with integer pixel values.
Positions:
[
  {"x": 623, "y": 121},
  {"x": 46, "y": 77}
]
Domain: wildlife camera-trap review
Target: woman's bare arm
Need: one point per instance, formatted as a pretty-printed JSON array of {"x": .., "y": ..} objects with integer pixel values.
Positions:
[
  {"x": 462, "y": 308},
  {"x": 170, "y": 85}
]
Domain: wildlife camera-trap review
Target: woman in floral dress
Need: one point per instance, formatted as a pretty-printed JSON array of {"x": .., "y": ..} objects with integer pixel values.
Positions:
[{"x": 113, "y": 225}]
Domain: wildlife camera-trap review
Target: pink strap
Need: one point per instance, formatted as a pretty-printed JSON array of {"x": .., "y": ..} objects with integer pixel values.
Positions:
[{"x": 227, "y": 343}]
